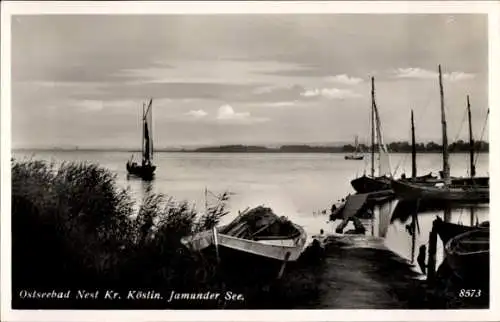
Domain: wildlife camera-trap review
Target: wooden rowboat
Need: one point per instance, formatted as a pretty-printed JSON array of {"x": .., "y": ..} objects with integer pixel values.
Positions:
[
  {"x": 257, "y": 234},
  {"x": 468, "y": 254}
]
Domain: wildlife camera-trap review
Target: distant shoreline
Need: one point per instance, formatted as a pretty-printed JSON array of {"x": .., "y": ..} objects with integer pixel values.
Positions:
[{"x": 395, "y": 147}]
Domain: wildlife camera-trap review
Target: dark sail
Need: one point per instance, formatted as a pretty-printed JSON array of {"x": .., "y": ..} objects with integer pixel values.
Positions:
[
  {"x": 146, "y": 142},
  {"x": 146, "y": 169}
]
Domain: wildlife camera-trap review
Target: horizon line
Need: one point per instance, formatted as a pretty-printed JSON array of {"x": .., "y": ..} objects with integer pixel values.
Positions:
[{"x": 194, "y": 146}]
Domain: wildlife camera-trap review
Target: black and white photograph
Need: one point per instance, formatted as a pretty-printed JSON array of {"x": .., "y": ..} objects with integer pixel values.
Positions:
[{"x": 247, "y": 161}]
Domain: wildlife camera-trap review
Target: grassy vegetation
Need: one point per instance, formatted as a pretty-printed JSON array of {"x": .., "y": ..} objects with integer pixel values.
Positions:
[{"x": 73, "y": 227}]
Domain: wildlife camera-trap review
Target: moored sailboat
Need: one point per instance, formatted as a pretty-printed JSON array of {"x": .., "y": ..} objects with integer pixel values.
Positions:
[
  {"x": 146, "y": 169},
  {"x": 448, "y": 192},
  {"x": 356, "y": 155},
  {"x": 372, "y": 183}
]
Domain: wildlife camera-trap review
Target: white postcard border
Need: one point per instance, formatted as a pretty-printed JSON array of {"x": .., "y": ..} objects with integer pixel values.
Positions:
[{"x": 492, "y": 8}]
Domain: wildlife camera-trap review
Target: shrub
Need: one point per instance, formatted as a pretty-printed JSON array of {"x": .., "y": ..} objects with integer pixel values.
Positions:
[{"x": 72, "y": 226}]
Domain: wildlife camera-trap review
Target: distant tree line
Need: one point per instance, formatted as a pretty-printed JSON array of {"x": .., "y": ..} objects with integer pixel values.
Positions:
[{"x": 396, "y": 147}]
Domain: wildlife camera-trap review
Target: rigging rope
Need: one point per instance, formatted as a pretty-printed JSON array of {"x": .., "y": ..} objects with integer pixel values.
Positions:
[
  {"x": 402, "y": 160},
  {"x": 461, "y": 125},
  {"x": 482, "y": 133}
]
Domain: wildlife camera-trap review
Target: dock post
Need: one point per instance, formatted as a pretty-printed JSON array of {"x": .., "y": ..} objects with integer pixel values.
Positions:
[
  {"x": 414, "y": 231},
  {"x": 373, "y": 223},
  {"x": 431, "y": 265},
  {"x": 282, "y": 269},
  {"x": 216, "y": 244},
  {"x": 447, "y": 214}
]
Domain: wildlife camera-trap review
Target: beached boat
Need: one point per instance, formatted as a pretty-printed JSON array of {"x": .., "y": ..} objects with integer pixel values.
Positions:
[
  {"x": 146, "y": 169},
  {"x": 468, "y": 254},
  {"x": 356, "y": 155},
  {"x": 254, "y": 236}
]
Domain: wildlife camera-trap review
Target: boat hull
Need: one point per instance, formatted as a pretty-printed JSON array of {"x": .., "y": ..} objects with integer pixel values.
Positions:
[
  {"x": 367, "y": 184},
  {"x": 353, "y": 157},
  {"x": 278, "y": 250},
  {"x": 466, "y": 194},
  {"x": 254, "y": 260},
  {"x": 477, "y": 181},
  {"x": 244, "y": 267},
  {"x": 446, "y": 230},
  {"x": 468, "y": 255},
  {"x": 144, "y": 172}
]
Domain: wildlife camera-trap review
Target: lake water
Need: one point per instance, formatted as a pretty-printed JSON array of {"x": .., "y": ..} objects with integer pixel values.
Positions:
[{"x": 298, "y": 186}]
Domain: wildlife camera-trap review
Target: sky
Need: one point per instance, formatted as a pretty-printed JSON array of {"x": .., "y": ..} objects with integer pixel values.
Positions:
[{"x": 244, "y": 79}]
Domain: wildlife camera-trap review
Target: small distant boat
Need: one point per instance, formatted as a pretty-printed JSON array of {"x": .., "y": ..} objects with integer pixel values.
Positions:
[
  {"x": 356, "y": 155},
  {"x": 146, "y": 169},
  {"x": 255, "y": 236},
  {"x": 468, "y": 254}
]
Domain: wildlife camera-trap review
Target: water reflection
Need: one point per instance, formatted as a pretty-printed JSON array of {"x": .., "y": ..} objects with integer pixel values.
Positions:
[
  {"x": 393, "y": 224},
  {"x": 399, "y": 237}
]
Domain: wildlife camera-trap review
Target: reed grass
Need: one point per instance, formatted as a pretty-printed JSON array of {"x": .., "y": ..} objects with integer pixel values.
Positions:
[{"x": 72, "y": 226}]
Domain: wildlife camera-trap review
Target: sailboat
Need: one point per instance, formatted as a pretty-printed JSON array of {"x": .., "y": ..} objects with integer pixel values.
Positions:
[
  {"x": 356, "y": 155},
  {"x": 372, "y": 183},
  {"x": 448, "y": 192},
  {"x": 146, "y": 169},
  {"x": 472, "y": 180}
]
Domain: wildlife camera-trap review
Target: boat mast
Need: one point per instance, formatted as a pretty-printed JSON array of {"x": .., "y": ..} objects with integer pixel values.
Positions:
[
  {"x": 373, "y": 127},
  {"x": 446, "y": 165},
  {"x": 150, "y": 127},
  {"x": 471, "y": 142},
  {"x": 414, "y": 179},
  {"x": 471, "y": 147},
  {"x": 413, "y": 151},
  {"x": 147, "y": 131},
  {"x": 142, "y": 142}
]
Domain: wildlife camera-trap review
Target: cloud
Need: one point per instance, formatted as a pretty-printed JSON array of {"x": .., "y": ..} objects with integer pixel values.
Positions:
[
  {"x": 419, "y": 73},
  {"x": 273, "y": 88},
  {"x": 280, "y": 104},
  {"x": 215, "y": 71},
  {"x": 91, "y": 105},
  {"x": 227, "y": 113},
  {"x": 458, "y": 76},
  {"x": 197, "y": 113},
  {"x": 344, "y": 79},
  {"x": 330, "y": 93}
]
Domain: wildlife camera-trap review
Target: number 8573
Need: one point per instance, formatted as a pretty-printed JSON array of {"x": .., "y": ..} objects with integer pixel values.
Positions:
[{"x": 469, "y": 293}]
